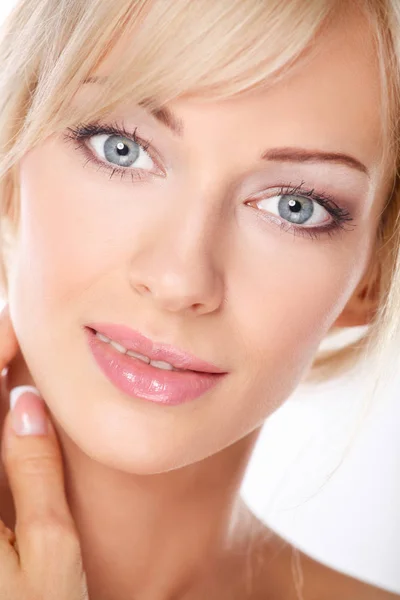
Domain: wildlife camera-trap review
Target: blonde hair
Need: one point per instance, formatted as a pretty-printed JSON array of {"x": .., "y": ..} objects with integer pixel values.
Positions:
[{"x": 50, "y": 48}]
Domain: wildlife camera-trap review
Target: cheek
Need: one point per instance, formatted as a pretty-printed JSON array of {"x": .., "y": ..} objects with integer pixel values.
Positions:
[
  {"x": 291, "y": 291},
  {"x": 66, "y": 257},
  {"x": 71, "y": 235}
]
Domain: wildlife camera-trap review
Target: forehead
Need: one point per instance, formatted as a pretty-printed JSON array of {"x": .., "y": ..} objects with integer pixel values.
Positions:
[
  {"x": 336, "y": 82},
  {"x": 331, "y": 100}
]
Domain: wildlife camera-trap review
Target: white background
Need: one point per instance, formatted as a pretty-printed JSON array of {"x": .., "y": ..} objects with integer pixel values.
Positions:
[
  {"x": 351, "y": 519},
  {"x": 326, "y": 476}
]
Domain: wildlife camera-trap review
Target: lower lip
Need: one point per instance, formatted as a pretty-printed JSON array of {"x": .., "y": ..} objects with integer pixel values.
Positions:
[{"x": 140, "y": 380}]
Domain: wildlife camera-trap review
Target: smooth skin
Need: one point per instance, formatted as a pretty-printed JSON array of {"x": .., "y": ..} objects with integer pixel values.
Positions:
[{"x": 184, "y": 259}]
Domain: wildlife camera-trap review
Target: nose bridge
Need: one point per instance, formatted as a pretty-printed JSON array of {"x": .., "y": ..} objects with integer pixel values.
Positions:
[{"x": 181, "y": 265}]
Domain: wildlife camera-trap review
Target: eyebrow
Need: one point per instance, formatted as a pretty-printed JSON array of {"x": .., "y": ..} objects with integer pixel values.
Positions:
[
  {"x": 286, "y": 154},
  {"x": 162, "y": 114},
  {"x": 303, "y": 155},
  {"x": 169, "y": 119}
]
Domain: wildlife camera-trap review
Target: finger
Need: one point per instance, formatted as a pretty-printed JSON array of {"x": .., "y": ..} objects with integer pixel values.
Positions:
[
  {"x": 7, "y": 534},
  {"x": 8, "y": 340},
  {"x": 8, "y": 551},
  {"x": 33, "y": 464}
]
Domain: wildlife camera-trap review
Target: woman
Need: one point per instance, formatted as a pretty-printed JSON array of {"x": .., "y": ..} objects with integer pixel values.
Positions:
[{"x": 194, "y": 195}]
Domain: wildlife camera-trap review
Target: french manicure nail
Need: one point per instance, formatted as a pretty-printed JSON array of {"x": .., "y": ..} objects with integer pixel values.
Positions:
[
  {"x": 28, "y": 416},
  {"x": 18, "y": 391}
]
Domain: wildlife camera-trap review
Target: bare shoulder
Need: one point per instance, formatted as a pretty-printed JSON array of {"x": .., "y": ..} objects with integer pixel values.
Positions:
[
  {"x": 286, "y": 573},
  {"x": 321, "y": 582}
]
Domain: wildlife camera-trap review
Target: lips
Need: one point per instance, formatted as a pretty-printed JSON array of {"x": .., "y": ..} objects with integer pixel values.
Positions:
[
  {"x": 136, "y": 342},
  {"x": 137, "y": 379}
]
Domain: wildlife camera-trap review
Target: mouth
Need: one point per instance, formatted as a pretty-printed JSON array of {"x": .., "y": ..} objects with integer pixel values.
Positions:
[
  {"x": 138, "y": 367},
  {"x": 158, "y": 364},
  {"x": 164, "y": 356}
]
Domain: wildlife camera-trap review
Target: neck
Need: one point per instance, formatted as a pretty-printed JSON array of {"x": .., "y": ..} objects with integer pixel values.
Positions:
[
  {"x": 158, "y": 534},
  {"x": 153, "y": 536}
]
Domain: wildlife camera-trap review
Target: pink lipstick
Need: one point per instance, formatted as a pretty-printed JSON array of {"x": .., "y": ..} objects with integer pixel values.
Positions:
[{"x": 144, "y": 369}]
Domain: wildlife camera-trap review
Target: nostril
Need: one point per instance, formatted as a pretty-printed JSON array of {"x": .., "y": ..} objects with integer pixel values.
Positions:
[{"x": 142, "y": 289}]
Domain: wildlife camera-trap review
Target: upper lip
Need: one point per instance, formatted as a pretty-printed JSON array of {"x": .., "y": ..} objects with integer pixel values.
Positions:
[{"x": 137, "y": 342}]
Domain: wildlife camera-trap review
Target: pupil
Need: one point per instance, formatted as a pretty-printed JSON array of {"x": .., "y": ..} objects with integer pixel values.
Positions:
[
  {"x": 295, "y": 205},
  {"x": 122, "y": 149}
]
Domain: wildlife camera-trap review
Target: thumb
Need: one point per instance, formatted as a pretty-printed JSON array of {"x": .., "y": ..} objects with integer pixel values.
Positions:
[{"x": 33, "y": 464}]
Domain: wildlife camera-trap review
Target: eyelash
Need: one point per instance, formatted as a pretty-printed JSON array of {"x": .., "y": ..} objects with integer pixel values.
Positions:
[
  {"x": 340, "y": 216},
  {"x": 84, "y": 131}
]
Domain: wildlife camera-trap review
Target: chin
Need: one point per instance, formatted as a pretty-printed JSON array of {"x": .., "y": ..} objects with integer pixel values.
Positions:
[{"x": 137, "y": 444}]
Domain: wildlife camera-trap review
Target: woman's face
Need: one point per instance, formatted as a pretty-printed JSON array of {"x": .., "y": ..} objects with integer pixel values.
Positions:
[{"x": 217, "y": 240}]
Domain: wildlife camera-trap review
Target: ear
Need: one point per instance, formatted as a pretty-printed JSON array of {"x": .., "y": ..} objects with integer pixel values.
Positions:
[{"x": 362, "y": 306}]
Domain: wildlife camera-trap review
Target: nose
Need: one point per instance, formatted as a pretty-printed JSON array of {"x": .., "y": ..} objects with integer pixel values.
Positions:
[{"x": 179, "y": 268}]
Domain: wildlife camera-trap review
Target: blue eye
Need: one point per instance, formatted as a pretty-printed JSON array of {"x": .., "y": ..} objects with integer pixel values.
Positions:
[
  {"x": 116, "y": 150},
  {"x": 121, "y": 151},
  {"x": 293, "y": 208}
]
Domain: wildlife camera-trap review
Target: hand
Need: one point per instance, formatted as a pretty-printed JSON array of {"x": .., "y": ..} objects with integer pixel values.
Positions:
[{"x": 42, "y": 560}]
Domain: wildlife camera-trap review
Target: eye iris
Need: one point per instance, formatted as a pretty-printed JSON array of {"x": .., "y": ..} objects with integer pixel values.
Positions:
[
  {"x": 123, "y": 153},
  {"x": 294, "y": 210}
]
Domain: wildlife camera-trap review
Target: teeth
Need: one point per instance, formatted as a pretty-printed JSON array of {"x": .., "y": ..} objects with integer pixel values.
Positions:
[
  {"x": 139, "y": 356},
  {"x": 161, "y": 365},
  {"x": 118, "y": 347},
  {"x": 102, "y": 337}
]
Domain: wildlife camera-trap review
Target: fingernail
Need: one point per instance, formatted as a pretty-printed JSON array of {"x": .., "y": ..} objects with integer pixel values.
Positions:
[{"x": 28, "y": 415}]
